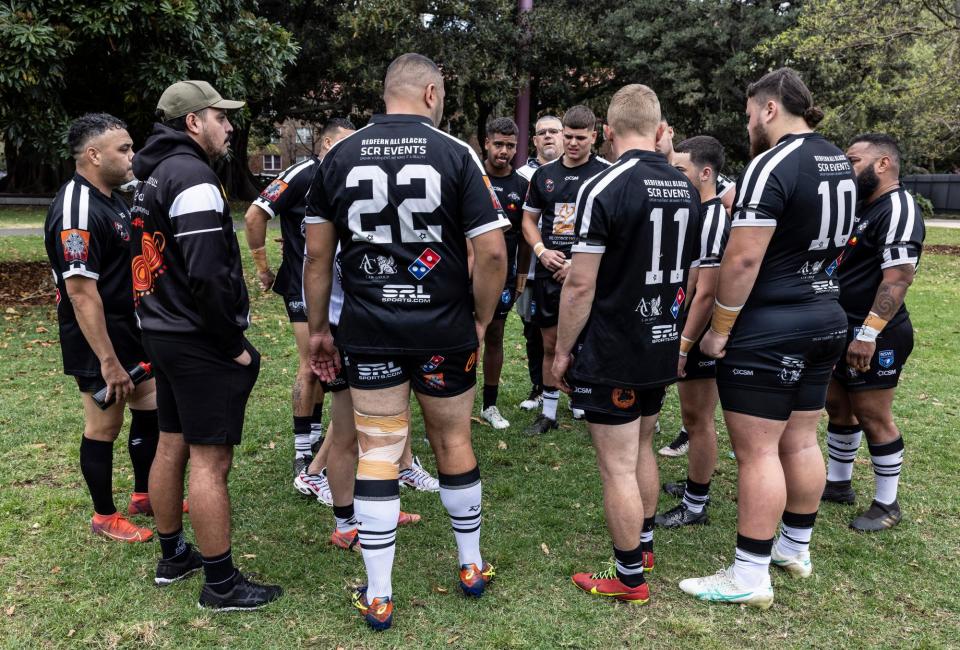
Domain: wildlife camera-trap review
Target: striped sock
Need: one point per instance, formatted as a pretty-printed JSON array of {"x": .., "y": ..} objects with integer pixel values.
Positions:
[
  {"x": 630, "y": 566},
  {"x": 646, "y": 534},
  {"x": 376, "y": 505},
  {"x": 346, "y": 521},
  {"x": 461, "y": 495},
  {"x": 550, "y": 398},
  {"x": 301, "y": 435},
  {"x": 887, "y": 461},
  {"x": 751, "y": 565},
  {"x": 842, "y": 444},
  {"x": 316, "y": 425},
  {"x": 695, "y": 496},
  {"x": 795, "y": 532}
]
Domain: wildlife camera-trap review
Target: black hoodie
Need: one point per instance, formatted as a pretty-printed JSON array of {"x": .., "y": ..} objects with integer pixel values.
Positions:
[{"x": 187, "y": 277}]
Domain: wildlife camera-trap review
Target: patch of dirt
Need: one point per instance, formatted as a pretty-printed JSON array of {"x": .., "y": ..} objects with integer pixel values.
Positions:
[
  {"x": 942, "y": 249},
  {"x": 24, "y": 284}
]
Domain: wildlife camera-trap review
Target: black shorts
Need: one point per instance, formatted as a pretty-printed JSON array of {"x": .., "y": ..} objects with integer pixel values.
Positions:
[
  {"x": 80, "y": 361},
  {"x": 894, "y": 346},
  {"x": 201, "y": 393},
  {"x": 507, "y": 297},
  {"x": 773, "y": 381},
  {"x": 296, "y": 308},
  {"x": 441, "y": 374},
  {"x": 613, "y": 405},
  {"x": 546, "y": 300},
  {"x": 699, "y": 365}
]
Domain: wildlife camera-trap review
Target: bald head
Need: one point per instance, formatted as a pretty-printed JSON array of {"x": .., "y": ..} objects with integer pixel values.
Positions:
[{"x": 414, "y": 84}]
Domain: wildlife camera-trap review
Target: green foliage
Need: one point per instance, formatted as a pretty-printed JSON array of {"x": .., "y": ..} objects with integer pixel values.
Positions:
[
  {"x": 925, "y": 205},
  {"x": 883, "y": 66}
]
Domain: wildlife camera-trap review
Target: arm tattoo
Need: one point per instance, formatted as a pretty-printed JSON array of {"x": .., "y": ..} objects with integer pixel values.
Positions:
[{"x": 888, "y": 299}]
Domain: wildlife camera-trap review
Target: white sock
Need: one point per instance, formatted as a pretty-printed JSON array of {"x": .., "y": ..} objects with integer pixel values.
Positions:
[
  {"x": 887, "y": 461},
  {"x": 795, "y": 532},
  {"x": 376, "y": 505},
  {"x": 842, "y": 446},
  {"x": 751, "y": 570},
  {"x": 550, "y": 399},
  {"x": 347, "y": 522},
  {"x": 461, "y": 495}
]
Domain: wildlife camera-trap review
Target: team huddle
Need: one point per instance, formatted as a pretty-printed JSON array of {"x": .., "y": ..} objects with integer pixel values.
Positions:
[{"x": 777, "y": 295}]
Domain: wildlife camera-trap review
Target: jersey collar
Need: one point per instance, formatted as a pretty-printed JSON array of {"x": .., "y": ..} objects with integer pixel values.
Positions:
[
  {"x": 649, "y": 156},
  {"x": 79, "y": 178},
  {"x": 393, "y": 118}
]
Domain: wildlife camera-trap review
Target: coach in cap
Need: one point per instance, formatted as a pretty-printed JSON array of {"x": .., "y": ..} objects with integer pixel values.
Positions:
[{"x": 193, "y": 308}]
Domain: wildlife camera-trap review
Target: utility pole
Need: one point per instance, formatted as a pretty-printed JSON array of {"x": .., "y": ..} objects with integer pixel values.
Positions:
[{"x": 522, "y": 114}]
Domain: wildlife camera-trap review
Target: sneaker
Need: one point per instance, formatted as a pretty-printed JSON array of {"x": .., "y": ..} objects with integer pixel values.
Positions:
[
  {"x": 606, "y": 583},
  {"x": 578, "y": 414},
  {"x": 534, "y": 400},
  {"x": 378, "y": 614},
  {"x": 878, "y": 517},
  {"x": 348, "y": 541},
  {"x": 656, "y": 428},
  {"x": 492, "y": 415},
  {"x": 541, "y": 425},
  {"x": 418, "y": 478},
  {"x": 682, "y": 516},
  {"x": 301, "y": 463},
  {"x": 721, "y": 587},
  {"x": 839, "y": 492},
  {"x": 648, "y": 560},
  {"x": 314, "y": 485},
  {"x": 175, "y": 570},
  {"x": 407, "y": 518},
  {"x": 799, "y": 566},
  {"x": 678, "y": 447},
  {"x": 675, "y": 489},
  {"x": 473, "y": 580},
  {"x": 140, "y": 504},
  {"x": 119, "y": 528},
  {"x": 243, "y": 596}
]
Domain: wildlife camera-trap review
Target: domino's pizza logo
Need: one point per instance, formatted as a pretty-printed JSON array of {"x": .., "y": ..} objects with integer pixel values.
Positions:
[
  {"x": 677, "y": 303},
  {"x": 885, "y": 358},
  {"x": 424, "y": 264},
  {"x": 433, "y": 364}
]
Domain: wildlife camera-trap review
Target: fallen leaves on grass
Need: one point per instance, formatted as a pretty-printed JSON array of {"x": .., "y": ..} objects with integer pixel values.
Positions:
[
  {"x": 501, "y": 444},
  {"x": 544, "y": 548}
]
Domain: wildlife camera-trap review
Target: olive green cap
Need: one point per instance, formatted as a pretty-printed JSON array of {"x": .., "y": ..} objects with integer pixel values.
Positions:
[{"x": 189, "y": 97}]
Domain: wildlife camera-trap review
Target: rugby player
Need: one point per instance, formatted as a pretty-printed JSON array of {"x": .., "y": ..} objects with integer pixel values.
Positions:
[
  {"x": 877, "y": 268},
  {"x": 699, "y": 159},
  {"x": 193, "y": 309},
  {"x": 402, "y": 188},
  {"x": 548, "y": 227},
  {"x": 778, "y": 329},
  {"x": 510, "y": 187},
  {"x": 546, "y": 142},
  {"x": 637, "y": 226},
  {"x": 87, "y": 239}
]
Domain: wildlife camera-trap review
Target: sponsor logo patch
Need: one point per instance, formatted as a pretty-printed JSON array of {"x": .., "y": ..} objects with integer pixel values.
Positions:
[
  {"x": 404, "y": 293},
  {"x": 471, "y": 362},
  {"x": 678, "y": 303},
  {"x": 435, "y": 380},
  {"x": 791, "y": 371},
  {"x": 369, "y": 371},
  {"x": 506, "y": 296},
  {"x": 378, "y": 267},
  {"x": 623, "y": 398},
  {"x": 274, "y": 190},
  {"x": 548, "y": 185},
  {"x": 424, "y": 264},
  {"x": 564, "y": 218},
  {"x": 664, "y": 333},
  {"x": 583, "y": 390},
  {"x": 76, "y": 245},
  {"x": 885, "y": 358},
  {"x": 650, "y": 308},
  {"x": 433, "y": 364}
]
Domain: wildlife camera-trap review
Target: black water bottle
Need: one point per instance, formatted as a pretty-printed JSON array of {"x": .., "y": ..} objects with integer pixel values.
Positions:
[{"x": 137, "y": 374}]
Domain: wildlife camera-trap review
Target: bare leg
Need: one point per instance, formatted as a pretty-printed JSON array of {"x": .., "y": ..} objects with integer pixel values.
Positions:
[
  {"x": 698, "y": 401},
  {"x": 166, "y": 482},
  {"x": 761, "y": 487},
  {"x": 210, "y": 497},
  {"x": 618, "y": 450}
]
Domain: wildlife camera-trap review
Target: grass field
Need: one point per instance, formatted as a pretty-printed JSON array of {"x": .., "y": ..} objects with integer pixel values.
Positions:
[{"x": 543, "y": 520}]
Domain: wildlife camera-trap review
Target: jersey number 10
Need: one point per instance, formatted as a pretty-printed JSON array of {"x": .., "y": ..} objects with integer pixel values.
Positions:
[
  {"x": 379, "y": 182},
  {"x": 655, "y": 275},
  {"x": 846, "y": 198}
]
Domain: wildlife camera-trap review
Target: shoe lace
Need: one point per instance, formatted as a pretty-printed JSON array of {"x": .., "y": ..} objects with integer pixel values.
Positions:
[{"x": 609, "y": 573}]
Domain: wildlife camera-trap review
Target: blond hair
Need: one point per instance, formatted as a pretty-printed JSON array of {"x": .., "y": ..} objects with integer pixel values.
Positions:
[{"x": 634, "y": 109}]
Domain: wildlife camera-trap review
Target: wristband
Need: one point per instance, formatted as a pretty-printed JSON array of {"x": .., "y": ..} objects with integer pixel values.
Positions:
[
  {"x": 871, "y": 328},
  {"x": 538, "y": 249},
  {"x": 685, "y": 345},
  {"x": 723, "y": 318},
  {"x": 260, "y": 258}
]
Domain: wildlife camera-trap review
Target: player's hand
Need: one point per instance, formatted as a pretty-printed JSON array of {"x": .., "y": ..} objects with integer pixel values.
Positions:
[
  {"x": 859, "y": 354},
  {"x": 521, "y": 283},
  {"x": 266, "y": 279},
  {"x": 561, "y": 275},
  {"x": 713, "y": 345},
  {"x": 552, "y": 260},
  {"x": 119, "y": 384},
  {"x": 324, "y": 357},
  {"x": 561, "y": 363},
  {"x": 244, "y": 359},
  {"x": 481, "y": 335},
  {"x": 682, "y": 366}
]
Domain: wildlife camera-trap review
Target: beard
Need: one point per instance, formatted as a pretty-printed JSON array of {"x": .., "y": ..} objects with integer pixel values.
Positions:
[
  {"x": 867, "y": 182},
  {"x": 550, "y": 152},
  {"x": 759, "y": 140}
]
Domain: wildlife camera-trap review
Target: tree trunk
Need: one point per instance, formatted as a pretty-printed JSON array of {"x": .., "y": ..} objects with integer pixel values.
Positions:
[
  {"x": 234, "y": 172},
  {"x": 29, "y": 172}
]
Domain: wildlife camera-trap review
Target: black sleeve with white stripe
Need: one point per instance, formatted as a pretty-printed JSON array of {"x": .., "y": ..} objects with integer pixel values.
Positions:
[
  {"x": 288, "y": 189},
  {"x": 77, "y": 238},
  {"x": 903, "y": 233},
  {"x": 765, "y": 187},
  {"x": 197, "y": 215},
  {"x": 479, "y": 207},
  {"x": 593, "y": 222},
  {"x": 713, "y": 236}
]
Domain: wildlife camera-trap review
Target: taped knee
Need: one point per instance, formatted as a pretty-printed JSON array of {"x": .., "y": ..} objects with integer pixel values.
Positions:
[{"x": 389, "y": 433}]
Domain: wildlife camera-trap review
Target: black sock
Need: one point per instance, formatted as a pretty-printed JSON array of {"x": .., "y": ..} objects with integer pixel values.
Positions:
[
  {"x": 301, "y": 435},
  {"x": 646, "y": 535},
  {"x": 490, "y": 395},
  {"x": 317, "y": 417},
  {"x": 142, "y": 445},
  {"x": 630, "y": 566},
  {"x": 96, "y": 464},
  {"x": 218, "y": 572},
  {"x": 698, "y": 489},
  {"x": 172, "y": 545}
]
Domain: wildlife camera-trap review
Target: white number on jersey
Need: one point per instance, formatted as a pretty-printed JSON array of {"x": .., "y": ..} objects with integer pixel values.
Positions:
[{"x": 379, "y": 183}]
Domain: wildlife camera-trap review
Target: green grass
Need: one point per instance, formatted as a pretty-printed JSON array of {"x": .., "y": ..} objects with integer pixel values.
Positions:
[{"x": 543, "y": 521}]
